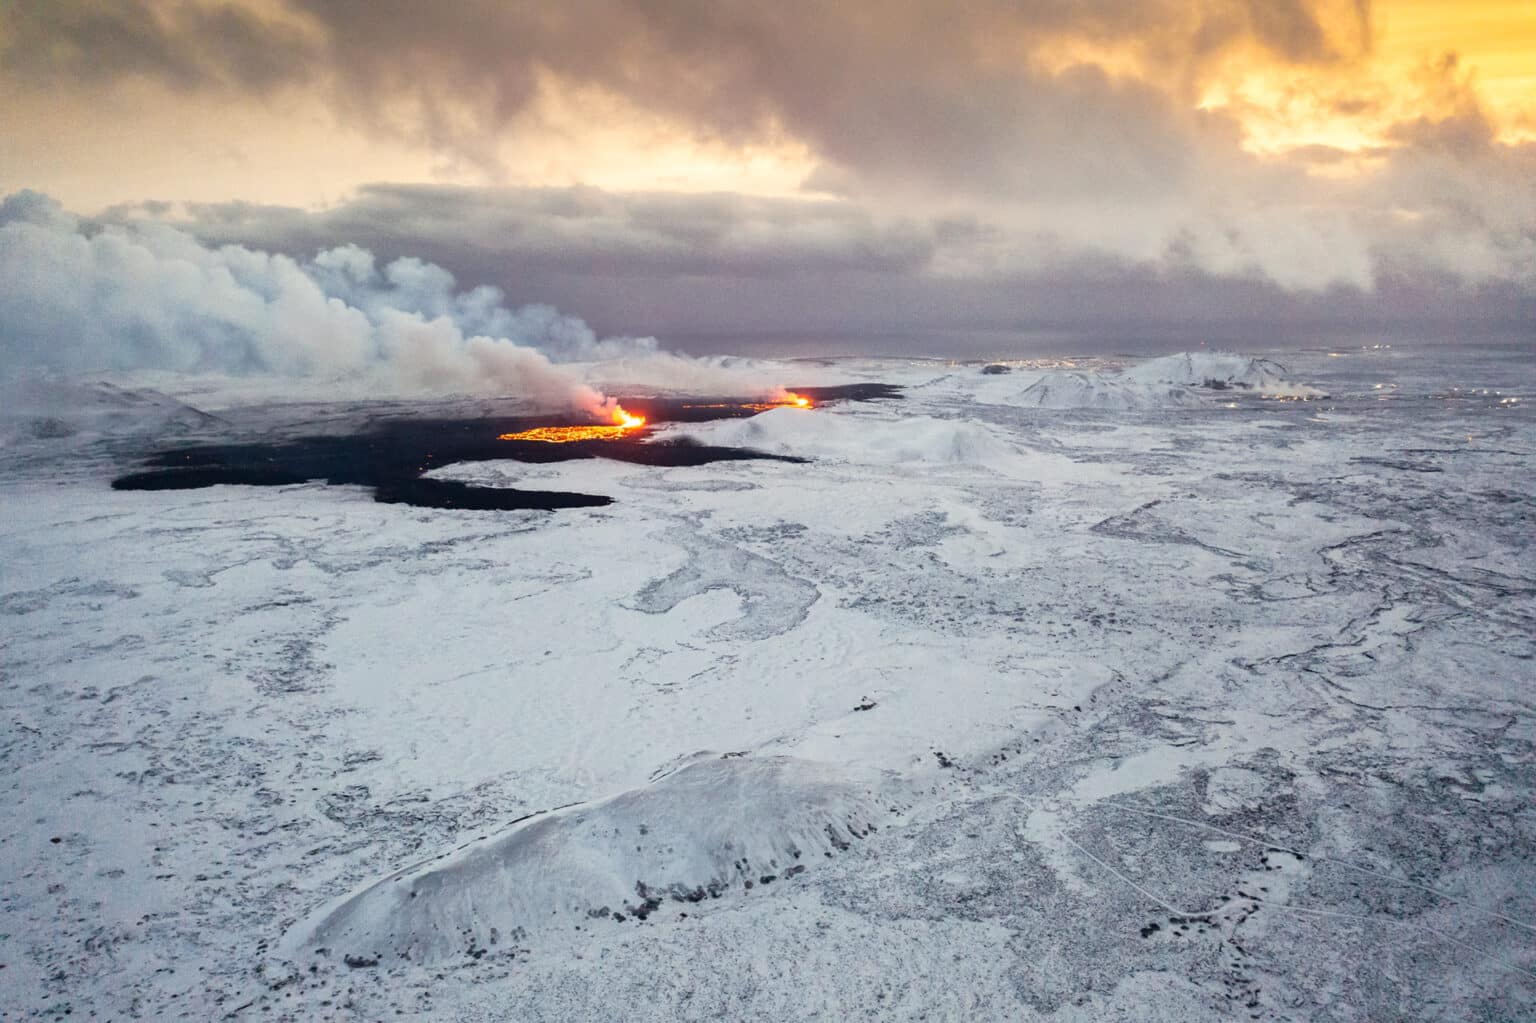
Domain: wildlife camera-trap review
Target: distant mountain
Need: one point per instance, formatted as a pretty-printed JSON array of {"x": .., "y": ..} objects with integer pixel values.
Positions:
[{"x": 48, "y": 409}]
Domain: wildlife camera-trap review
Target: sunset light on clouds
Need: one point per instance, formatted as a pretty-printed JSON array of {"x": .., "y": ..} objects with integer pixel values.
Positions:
[{"x": 1337, "y": 158}]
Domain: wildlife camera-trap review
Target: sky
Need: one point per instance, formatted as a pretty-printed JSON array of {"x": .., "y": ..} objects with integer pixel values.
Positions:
[{"x": 712, "y": 173}]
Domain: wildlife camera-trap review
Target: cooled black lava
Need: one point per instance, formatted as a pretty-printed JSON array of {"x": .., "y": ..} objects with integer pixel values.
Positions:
[{"x": 392, "y": 457}]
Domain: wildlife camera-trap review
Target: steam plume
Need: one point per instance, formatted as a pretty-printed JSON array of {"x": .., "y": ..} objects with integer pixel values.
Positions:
[{"x": 148, "y": 296}]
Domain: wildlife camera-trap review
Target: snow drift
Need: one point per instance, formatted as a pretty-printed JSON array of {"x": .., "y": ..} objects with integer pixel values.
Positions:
[
  {"x": 715, "y": 825},
  {"x": 857, "y": 438}
]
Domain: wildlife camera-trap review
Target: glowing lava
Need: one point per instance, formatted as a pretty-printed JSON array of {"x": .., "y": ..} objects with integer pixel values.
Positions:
[
  {"x": 787, "y": 399},
  {"x": 623, "y": 422}
]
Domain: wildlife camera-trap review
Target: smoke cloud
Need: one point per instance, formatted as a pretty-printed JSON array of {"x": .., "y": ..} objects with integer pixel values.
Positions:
[{"x": 76, "y": 298}]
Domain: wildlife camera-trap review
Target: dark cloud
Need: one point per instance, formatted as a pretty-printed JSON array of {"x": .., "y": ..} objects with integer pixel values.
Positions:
[
  {"x": 697, "y": 269},
  {"x": 976, "y": 181},
  {"x": 585, "y": 230},
  {"x": 902, "y": 94},
  {"x": 186, "y": 45}
]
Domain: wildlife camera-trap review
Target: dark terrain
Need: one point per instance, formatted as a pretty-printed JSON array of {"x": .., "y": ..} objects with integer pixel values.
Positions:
[{"x": 392, "y": 457}]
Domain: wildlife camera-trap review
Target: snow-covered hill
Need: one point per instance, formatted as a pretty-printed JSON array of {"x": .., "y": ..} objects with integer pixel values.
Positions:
[
  {"x": 1175, "y": 381},
  {"x": 1220, "y": 371},
  {"x": 43, "y": 409},
  {"x": 716, "y": 825},
  {"x": 1102, "y": 391}
]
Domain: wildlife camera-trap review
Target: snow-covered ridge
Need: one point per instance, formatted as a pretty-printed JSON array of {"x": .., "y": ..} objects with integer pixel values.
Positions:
[
  {"x": 1173, "y": 381},
  {"x": 1220, "y": 371},
  {"x": 1099, "y": 391},
  {"x": 717, "y": 825},
  {"x": 42, "y": 409}
]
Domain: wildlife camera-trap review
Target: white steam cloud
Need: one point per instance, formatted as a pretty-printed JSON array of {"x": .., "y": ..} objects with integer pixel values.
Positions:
[{"x": 148, "y": 296}]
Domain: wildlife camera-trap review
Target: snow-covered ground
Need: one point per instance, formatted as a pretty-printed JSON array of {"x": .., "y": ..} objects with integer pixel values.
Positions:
[{"x": 1172, "y": 700}]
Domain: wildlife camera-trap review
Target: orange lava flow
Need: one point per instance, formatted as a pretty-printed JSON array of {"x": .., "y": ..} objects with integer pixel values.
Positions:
[
  {"x": 786, "y": 399},
  {"x": 789, "y": 400},
  {"x": 623, "y": 422},
  {"x": 566, "y": 434}
]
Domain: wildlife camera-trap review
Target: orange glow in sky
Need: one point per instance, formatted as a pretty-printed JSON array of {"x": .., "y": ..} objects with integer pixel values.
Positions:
[
  {"x": 1397, "y": 74},
  {"x": 1405, "y": 75},
  {"x": 293, "y": 148}
]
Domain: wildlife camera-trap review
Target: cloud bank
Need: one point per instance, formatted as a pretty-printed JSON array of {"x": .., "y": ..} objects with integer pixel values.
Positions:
[
  {"x": 698, "y": 266},
  {"x": 966, "y": 96},
  {"x": 979, "y": 164}
]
